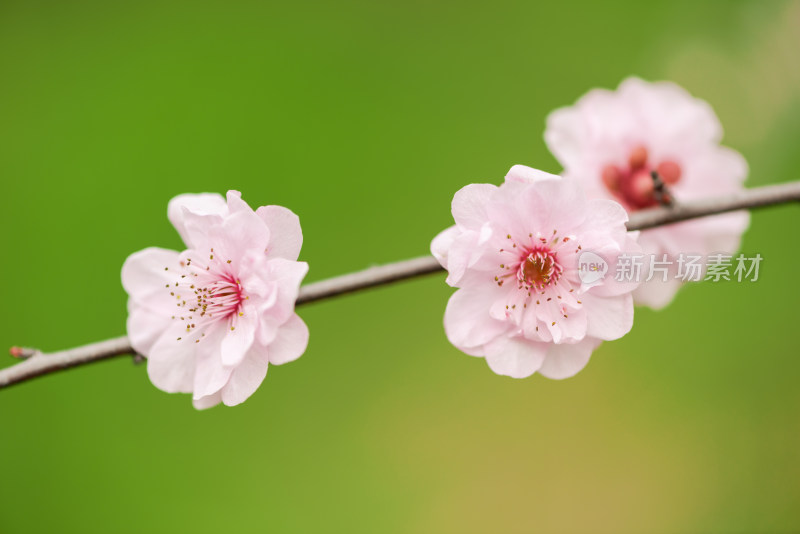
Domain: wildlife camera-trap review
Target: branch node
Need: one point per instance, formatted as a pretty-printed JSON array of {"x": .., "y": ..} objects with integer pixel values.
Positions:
[
  {"x": 662, "y": 193},
  {"x": 22, "y": 353}
]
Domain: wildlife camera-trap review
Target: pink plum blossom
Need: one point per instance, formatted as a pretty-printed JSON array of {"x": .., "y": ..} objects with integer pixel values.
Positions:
[
  {"x": 515, "y": 254},
  {"x": 612, "y": 140},
  {"x": 212, "y": 318}
]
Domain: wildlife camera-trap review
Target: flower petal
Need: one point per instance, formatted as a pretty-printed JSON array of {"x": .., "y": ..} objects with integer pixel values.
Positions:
[
  {"x": 288, "y": 275},
  {"x": 209, "y": 401},
  {"x": 237, "y": 341},
  {"x": 522, "y": 173},
  {"x": 467, "y": 322},
  {"x": 566, "y": 135},
  {"x": 243, "y": 231},
  {"x": 235, "y": 202},
  {"x": 145, "y": 327},
  {"x": 200, "y": 204},
  {"x": 469, "y": 205},
  {"x": 670, "y": 111},
  {"x": 467, "y": 251},
  {"x": 290, "y": 343},
  {"x": 211, "y": 374},
  {"x": 286, "y": 236},
  {"x": 608, "y": 318},
  {"x": 440, "y": 246},
  {"x": 515, "y": 357},
  {"x": 246, "y": 378},
  {"x": 145, "y": 275},
  {"x": 171, "y": 361},
  {"x": 656, "y": 293},
  {"x": 565, "y": 360}
]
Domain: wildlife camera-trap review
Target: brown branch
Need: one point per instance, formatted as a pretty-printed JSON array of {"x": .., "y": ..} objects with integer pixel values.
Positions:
[
  {"x": 38, "y": 363},
  {"x": 758, "y": 197}
]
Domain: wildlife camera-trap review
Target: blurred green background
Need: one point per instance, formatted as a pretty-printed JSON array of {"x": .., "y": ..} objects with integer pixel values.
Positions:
[{"x": 365, "y": 118}]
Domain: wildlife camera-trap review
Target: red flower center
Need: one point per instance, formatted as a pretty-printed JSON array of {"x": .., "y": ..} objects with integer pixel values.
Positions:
[
  {"x": 539, "y": 269},
  {"x": 633, "y": 185}
]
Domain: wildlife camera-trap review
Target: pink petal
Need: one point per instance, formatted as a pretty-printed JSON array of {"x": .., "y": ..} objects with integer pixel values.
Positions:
[
  {"x": 597, "y": 125},
  {"x": 606, "y": 214},
  {"x": 558, "y": 204},
  {"x": 467, "y": 322},
  {"x": 235, "y": 202},
  {"x": 670, "y": 111},
  {"x": 256, "y": 284},
  {"x": 288, "y": 275},
  {"x": 609, "y": 286},
  {"x": 709, "y": 235},
  {"x": 656, "y": 293},
  {"x": 290, "y": 343},
  {"x": 145, "y": 275},
  {"x": 729, "y": 237},
  {"x": 522, "y": 173},
  {"x": 171, "y": 362},
  {"x": 608, "y": 318},
  {"x": 565, "y": 360},
  {"x": 515, "y": 357},
  {"x": 253, "y": 272},
  {"x": 286, "y": 236},
  {"x": 465, "y": 251},
  {"x": 243, "y": 231},
  {"x": 246, "y": 378},
  {"x": 202, "y": 232},
  {"x": 209, "y": 401},
  {"x": 211, "y": 374},
  {"x": 566, "y": 136},
  {"x": 711, "y": 171},
  {"x": 145, "y": 327},
  {"x": 572, "y": 328},
  {"x": 239, "y": 338},
  {"x": 200, "y": 204},
  {"x": 469, "y": 205},
  {"x": 440, "y": 246},
  {"x": 269, "y": 320}
]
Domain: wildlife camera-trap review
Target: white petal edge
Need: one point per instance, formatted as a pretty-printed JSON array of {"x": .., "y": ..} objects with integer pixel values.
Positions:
[
  {"x": 290, "y": 343},
  {"x": 286, "y": 236},
  {"x": 199, "y": 203},
  {"x": 515, "y": 357},
  {"x": 566, "y": 360}
]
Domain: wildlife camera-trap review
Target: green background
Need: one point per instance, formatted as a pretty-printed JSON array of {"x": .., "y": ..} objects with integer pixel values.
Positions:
[{"x": 364, "y": 118}]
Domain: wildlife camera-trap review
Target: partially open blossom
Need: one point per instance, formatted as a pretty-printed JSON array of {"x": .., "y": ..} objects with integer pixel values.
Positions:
[
  {"x": 516, "y": 254},
  {"x": 212, "y": 318},
  {"x": 612, "y": 140}
]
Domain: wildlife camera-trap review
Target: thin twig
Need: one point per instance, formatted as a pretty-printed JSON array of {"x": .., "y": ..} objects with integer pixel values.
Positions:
[
  {"x": 374, "y": 276},
  {"x": 758, "y": 197},
  {"x": 38, "y": 363}
]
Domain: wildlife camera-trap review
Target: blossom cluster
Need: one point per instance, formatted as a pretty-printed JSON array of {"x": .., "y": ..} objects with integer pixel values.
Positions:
[{"x": 528, "y": 257}]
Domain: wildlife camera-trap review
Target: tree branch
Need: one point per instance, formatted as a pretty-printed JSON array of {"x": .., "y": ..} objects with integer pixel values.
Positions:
[{"x": 38, "y": 363}]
